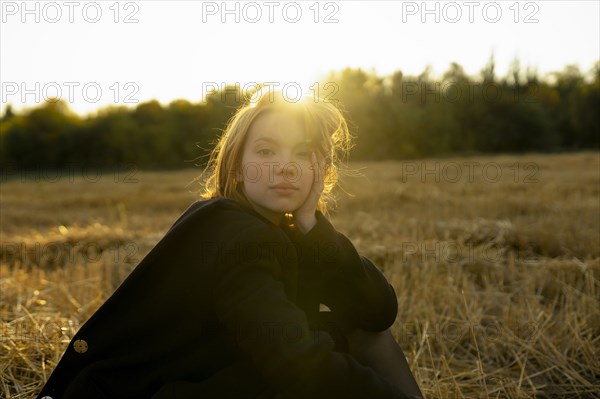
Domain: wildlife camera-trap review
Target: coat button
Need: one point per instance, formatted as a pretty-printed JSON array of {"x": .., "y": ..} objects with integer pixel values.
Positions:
[{"x": 80, "y": 346}]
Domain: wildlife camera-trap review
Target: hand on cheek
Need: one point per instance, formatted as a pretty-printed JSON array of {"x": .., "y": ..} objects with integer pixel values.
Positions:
[{"x": 305, "y": 214}]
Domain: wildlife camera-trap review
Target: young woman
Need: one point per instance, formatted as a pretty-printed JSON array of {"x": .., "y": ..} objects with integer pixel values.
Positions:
[{"x": 227, "y": 304}]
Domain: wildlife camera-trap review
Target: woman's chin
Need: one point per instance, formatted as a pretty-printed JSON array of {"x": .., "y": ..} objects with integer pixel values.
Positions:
[{"x": 285, "y": 204}]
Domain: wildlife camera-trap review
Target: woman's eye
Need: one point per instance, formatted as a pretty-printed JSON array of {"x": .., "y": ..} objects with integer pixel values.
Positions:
[{"x": 264, "y": 151}]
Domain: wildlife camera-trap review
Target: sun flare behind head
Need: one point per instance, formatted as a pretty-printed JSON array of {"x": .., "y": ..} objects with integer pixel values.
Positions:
[{"x": 291, "y": 93}]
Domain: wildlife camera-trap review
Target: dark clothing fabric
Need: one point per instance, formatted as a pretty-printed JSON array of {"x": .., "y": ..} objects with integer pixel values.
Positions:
[{"x": 226, "y": 305}]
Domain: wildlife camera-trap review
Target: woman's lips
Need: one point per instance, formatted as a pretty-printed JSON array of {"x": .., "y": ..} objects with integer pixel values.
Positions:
[
  {"x": 284, "y": 189},
  {"x": 285, "y": 185}
]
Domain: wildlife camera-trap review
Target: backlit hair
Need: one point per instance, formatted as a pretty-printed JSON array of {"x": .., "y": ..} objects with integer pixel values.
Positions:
[{"x": 325, "y": 127}]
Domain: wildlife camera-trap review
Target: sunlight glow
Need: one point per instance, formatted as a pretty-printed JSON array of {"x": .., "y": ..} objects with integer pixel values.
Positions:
[{"x": 130, "y": 52}]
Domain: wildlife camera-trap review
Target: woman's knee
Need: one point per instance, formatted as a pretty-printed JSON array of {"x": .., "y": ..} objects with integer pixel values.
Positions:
[{"x": 380, "y": 351}]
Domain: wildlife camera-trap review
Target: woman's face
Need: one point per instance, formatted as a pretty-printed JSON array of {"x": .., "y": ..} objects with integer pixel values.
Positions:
[{"x": 275, "y": 153}]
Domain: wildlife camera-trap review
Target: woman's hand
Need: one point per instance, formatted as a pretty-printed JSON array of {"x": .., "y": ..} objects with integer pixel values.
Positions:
[{"x": 305, "y": 214}]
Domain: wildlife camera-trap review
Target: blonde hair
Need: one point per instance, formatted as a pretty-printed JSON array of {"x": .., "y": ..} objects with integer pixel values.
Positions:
[{"x": 324, "y": 125}]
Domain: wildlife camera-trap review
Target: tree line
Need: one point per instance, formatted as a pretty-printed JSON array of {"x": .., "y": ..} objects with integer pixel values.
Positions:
[{"x": 391, "y": 117}]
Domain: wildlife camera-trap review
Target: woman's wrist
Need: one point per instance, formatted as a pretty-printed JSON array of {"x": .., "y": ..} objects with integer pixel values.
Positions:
[{"x": 305, "y": 222}]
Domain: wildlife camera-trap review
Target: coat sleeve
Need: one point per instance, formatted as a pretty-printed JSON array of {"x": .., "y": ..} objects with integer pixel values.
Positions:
[
  {"x": 251, "y": 303},
  {"x": 353, "y": 288}
]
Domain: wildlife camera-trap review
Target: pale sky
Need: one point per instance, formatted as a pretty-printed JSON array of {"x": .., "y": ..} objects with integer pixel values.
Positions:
[{"x": 179, "y": 49}]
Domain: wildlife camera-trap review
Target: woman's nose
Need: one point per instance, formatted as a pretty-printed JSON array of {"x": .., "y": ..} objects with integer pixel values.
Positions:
[{"x": 288, "y": 168}]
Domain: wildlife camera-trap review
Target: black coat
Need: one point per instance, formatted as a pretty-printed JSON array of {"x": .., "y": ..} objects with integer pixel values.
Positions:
[{"x": 226, "y": 305}]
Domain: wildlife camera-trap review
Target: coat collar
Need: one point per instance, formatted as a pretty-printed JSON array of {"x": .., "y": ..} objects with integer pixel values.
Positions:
[{"x": 285, "y": 224}]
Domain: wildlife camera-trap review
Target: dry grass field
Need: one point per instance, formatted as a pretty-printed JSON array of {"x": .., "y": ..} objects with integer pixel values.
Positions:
[{"x": 495, "y": 260}]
